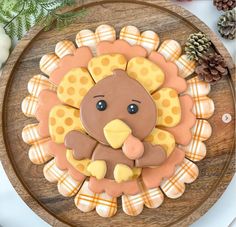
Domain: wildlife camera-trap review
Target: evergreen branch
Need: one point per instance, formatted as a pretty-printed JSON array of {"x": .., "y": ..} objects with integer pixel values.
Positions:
[
  {"x": 7, "y": 24},
  {"x": 17, "y": 16}
]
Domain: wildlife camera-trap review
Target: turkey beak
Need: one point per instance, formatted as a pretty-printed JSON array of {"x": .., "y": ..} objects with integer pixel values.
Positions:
[{"x": 116, "y": 132}]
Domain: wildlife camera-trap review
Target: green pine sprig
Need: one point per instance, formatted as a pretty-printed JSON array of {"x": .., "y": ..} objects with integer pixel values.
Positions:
[{"x": 18, "y": 16}]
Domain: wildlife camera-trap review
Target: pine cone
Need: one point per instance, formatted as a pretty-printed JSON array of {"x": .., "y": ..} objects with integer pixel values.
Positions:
[
  {"x": 197, "y": 45},
  {"x": 211, "y": 68},
  {"x": 227, "y": 25},
  {"x": 224, "y": 5}
]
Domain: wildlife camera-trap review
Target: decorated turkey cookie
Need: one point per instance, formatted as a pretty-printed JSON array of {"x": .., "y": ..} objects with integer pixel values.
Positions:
[{"x": 118, "y": 118}]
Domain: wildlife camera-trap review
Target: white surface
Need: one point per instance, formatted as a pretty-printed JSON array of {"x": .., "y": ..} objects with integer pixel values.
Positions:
[{"x": 15, "y": 213}]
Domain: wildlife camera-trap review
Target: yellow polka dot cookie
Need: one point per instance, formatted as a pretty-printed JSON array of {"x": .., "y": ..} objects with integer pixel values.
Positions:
[
  {"x": 168, "y": 105},
  {"x": 146, "y": 72},
  {"x": 102, "y": 66},
  {"x": 63, "y": 119},
  {"x": 74, "y": 86},
  {"x": 162, "y": 138}
]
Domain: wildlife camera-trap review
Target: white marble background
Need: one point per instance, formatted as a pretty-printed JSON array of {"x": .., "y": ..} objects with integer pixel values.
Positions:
[{"x": 15, "y": 213}]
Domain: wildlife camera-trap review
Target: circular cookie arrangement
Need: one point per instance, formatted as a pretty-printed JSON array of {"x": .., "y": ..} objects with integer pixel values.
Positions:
[{"x": 118, "y": 118}]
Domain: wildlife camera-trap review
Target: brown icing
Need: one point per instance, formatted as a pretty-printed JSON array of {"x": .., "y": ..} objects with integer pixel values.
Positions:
[
  {"x": 182, "y": 132},
  {"x": 121, "y": 47},
  {"x": 46, "y": 101},
  {"x": 59, "y": 152},
  {"x": 81, "y": 144},
  {"x": 112, "y": 157},
  {"x": 153, "y": 156},
  {"x": 119, "y": 91},
  {"x": 113, "y": 188},
  {"x": 80, "y": 58},
  {"x": 172, "y": 80},
  {"x": 152, "y": 177}
]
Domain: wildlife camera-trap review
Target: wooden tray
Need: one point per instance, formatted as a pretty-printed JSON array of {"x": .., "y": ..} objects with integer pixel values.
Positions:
[{"x": 169, "y": 21}]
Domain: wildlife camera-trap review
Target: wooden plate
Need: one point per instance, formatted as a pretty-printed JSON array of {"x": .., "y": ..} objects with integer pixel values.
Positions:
[{"x": 169, "y": 21}]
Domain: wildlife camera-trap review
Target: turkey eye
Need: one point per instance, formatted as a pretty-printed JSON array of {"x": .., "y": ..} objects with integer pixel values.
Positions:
[
  {"x": 101, "y": 105},
  {"x": 132, "y": 108}
]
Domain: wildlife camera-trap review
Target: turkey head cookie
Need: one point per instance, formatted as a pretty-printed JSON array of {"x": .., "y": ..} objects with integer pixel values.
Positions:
[{"x": 117, "y": 114}]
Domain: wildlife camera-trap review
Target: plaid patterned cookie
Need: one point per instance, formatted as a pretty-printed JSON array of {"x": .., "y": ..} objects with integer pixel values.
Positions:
[
  {"x": 86, "y": 201},
  {"x": 148, "y": 39},
  {"x": 174, "y": 187},
  {"x": 89, "y": 38},
  {"x": 151, "y": 198}
]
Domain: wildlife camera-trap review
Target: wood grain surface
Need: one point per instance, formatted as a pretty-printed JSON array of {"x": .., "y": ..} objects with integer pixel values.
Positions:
[{"x": 169, "y": 21}]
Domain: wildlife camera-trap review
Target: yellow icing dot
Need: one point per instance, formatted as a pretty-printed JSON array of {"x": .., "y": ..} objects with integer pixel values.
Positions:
[
  {"x": 156, "y": 96},
  {"x": 168, "y": 120},
  {"x": 60, "y": 113},
  {"x": 165, "y": 102},
  {"x": 76, "y": 83},
  {"x": 60, "y": 130},
  {"x": 72, "y": 79},
  {"x": 97, "y": 71},
  {"x": 105, "y": 61},
  {"x": 161, "y": 135},
  {"x": 148, "y": 74},
  {"x": 175, "y": 110},
  {"x": 70, "y": 91},
  {"x": 68, "y": 121}
]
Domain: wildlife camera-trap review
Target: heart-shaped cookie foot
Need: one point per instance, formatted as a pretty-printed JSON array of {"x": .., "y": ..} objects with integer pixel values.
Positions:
[
  {"x": 97, "y": 169},
  {"x": 122, "y": 173}
]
